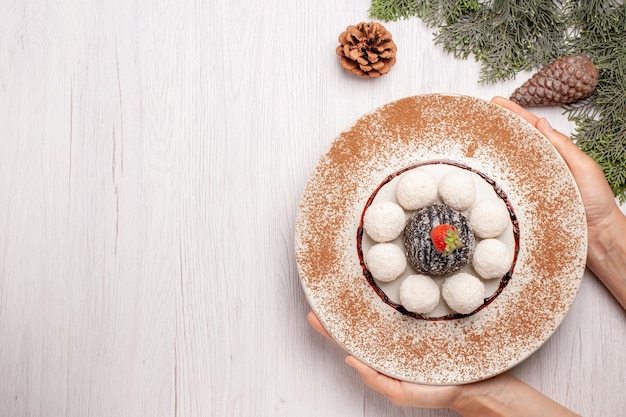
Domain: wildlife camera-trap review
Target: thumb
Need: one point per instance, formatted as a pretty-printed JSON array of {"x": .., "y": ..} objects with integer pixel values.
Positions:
[
  {"x": 583, "y": 167},
  {"x": 564, "y": 145},
  {"x": 594, "y": 189}
]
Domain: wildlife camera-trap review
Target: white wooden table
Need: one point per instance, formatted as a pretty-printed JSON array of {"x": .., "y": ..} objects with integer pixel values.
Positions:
[{"x": 152, "y": 154}]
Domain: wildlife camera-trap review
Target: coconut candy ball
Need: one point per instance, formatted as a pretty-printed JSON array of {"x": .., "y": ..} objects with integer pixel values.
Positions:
[
  {"x": 385, "y": 261},
  {"x": 489, "y": 218},
  {"x": 457, "y": 189},
  {"x": 419, "y": 294},
  {"x": 384, "y": 221},
  {"x": 491, "y": 259},
  {"x": 416, "y": 189},
  {"x": 463, "y": 292}
]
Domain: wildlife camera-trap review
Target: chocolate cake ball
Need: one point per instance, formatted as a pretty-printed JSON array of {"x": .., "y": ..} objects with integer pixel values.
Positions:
[{"x": 420, "y": 251}]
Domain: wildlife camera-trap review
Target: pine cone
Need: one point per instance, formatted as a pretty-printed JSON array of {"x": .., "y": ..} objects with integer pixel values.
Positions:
[
  {"x": 367, "y": 50},
  {"x": 563, "y": 81}
]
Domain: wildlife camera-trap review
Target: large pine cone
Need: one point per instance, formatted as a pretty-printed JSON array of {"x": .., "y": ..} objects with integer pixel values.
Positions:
[
  {"x": 367, "y": 50},
  {"x": 563, "y": 81}
]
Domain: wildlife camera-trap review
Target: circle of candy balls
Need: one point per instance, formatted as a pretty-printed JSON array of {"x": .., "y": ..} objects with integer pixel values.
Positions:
[
  {"x": 457, "y": 189},
  {"x": 419, "y": 294},
  {"x": 489, "y": 218},
  {"x": 416, "y": 189},
  {"x": 491, "y": 259},
  {"x": 385, "y": 261},
  {"x": 384, "y": 221},
  {"x": 463, "y": 292}
]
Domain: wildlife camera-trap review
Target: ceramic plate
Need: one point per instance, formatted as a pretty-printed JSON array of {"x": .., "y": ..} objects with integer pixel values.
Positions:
[{"x": 512, "y": 162}]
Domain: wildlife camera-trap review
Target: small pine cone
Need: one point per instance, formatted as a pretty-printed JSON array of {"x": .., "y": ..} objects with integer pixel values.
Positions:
[
  {"x": 367, "y": 50},
  {"x": 563, "y": 81}
]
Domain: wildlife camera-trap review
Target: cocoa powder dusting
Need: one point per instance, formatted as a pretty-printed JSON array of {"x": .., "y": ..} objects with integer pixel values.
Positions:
[{"x": 489, "y": 139}]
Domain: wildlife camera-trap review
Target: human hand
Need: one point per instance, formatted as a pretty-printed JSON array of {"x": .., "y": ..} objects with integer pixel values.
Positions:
[
  {"x": 606, "y": 224},
  {"x": 595, "y": 191}
]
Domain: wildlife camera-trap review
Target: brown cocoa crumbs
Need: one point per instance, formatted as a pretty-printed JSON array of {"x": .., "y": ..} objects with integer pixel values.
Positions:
[
  {"x": 489, "y": 139},
  {"x": 471, "y": 149}
]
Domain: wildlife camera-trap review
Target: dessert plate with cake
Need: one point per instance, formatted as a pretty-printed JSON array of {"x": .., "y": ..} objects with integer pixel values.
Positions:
[{"x": 441, "y": 239}]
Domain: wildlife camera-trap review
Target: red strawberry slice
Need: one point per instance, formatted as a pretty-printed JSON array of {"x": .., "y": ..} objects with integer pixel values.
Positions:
[{"x": 445, "y": 239}]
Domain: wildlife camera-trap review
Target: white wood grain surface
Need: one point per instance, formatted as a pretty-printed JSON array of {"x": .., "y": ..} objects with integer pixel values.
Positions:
[{"x": 152, "y": 154}]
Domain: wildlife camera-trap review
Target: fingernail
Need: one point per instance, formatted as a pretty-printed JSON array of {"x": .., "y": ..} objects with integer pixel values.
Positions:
[
  {"x": 347, "y": 361},
  {"x": 547, "y": 126}
]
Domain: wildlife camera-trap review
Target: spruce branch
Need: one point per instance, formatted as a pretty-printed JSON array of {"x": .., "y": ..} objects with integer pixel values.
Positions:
[
  {"x": 600, "y": 32},
  {"x": 392, "y": 10}
]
